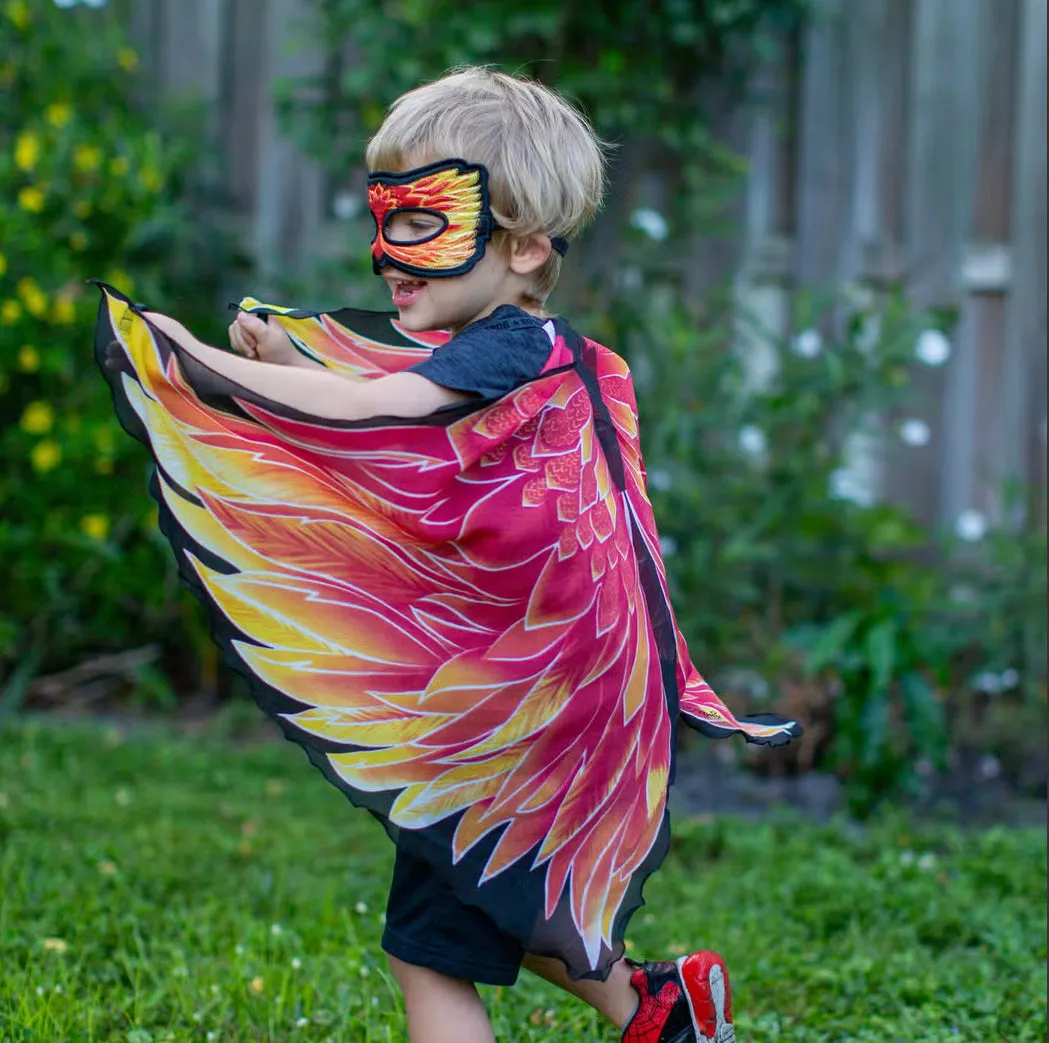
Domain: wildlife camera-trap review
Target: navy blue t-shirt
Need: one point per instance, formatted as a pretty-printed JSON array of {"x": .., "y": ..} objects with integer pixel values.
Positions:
[{"x": 493, "y": 355}]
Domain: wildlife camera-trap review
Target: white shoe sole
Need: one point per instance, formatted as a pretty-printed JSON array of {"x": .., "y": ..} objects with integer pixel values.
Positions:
[{"x": 723, "y": 1032}]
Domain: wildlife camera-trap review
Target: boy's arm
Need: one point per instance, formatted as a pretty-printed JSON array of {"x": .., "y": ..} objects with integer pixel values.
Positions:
[{"x": 316, "y": 391}]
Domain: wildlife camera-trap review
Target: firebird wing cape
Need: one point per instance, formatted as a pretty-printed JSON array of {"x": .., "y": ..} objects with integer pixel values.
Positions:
[{"x": 463, "y": 619}]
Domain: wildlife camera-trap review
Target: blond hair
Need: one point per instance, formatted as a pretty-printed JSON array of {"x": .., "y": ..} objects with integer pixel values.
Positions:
[{"x": 545, "y": 163}]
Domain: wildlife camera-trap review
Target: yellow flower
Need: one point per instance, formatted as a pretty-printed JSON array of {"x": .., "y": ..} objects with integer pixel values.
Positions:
[
  {"x": 3, "y": 265},
  {"x": 83, "y": 209},
  {"x": 37, "y": 418},
  {"x": 64, "y": 310},
  {"x": 58, "y": 114},
  {"x": 87, "y": 158},
  {"x": 32, "y": 199},
  {"x": 28, "y": 359},
  {"x": 95, "y": 526},
  {"x": 150, "y": 179},
  {"x": 119, "y": 278},
  {"x": 55, "y": 945},
  {"x": 34, "y": 298},
  {"x": 46, "y": 456},
  {"x": 128, "y": 59},
  {"x": 119, "y": 166},
  {"x": 78, "y": 241},
  {"x": 10, "y": 312},
  {"x": 103, "y": 465},
  {"x": 27, "y": 151},
  {"x": 257, "y": 985},
  {"x": 18, "y": 13}
]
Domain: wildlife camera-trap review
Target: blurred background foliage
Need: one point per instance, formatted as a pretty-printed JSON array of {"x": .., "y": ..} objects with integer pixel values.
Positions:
[{"x": 906, "y": 650}]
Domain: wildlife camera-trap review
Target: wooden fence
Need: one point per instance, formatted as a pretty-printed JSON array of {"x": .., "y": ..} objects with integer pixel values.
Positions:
[{"x": 899, "y": 141}]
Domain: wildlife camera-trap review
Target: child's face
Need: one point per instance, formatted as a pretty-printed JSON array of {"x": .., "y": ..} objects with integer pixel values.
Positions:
[{"x": 451, "y": 303}]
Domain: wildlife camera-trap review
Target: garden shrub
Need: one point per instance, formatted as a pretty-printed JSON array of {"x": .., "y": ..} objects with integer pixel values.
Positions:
[{"x": 89, "y": 187}]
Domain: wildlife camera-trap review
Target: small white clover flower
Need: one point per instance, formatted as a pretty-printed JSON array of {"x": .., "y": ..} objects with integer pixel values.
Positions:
[
  {"x": 361, "y": 908},
  {"x": 752, "y": 440},
  {"x": 302, "y": 1023},
  {"x": 970, "y": 526},
  {"x": 296, "y": 963},
  {"x": 932, "y": 348},
  {"x": 651, "y": 222},
  {"x": 807, "y": 344},
  {"x": 915, "y": 432},
  {"x": 276, "y": 930}
]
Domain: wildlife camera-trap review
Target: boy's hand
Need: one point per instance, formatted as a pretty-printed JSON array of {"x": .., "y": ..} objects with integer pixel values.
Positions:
[{"x": 255, "y": 339}]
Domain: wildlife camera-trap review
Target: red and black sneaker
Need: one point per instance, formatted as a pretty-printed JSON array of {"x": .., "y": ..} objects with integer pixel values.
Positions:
[{"x": 687, "y": 1001}]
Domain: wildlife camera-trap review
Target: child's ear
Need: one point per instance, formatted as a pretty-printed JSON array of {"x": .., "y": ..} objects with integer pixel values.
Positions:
[{"x": 528, "y": 253}]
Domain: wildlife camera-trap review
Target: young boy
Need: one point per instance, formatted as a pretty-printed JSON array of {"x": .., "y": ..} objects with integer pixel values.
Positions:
[{"x": 509, "y": 672}]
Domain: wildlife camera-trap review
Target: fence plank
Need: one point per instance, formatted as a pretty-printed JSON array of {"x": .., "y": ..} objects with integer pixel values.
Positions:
[
  {"x": 1022, "y": 404},
  {"x": 946, "y": 83},
  {"x": 290, "y": 197},
  {"x": 823, "y": 147}
]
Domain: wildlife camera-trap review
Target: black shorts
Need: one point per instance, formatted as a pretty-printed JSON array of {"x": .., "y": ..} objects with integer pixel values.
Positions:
[{"x": 427, "y": 926}]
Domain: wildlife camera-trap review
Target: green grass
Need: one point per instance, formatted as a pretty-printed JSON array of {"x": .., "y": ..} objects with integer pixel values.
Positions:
[{"x": 161, "y": 888}]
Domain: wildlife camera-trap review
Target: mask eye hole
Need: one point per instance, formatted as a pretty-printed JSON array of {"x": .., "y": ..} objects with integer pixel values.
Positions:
[{"x": 404, "y": 227}]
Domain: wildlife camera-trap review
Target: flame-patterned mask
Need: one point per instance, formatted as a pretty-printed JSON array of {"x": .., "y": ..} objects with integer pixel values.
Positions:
[{"x": 433, "y": 221}]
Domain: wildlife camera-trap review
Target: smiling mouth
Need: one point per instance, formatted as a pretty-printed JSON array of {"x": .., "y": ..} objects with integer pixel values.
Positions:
[{"x": 406, "y": 291}]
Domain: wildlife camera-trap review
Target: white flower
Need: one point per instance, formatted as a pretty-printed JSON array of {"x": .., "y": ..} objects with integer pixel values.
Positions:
[
  {"x": 906, "y": 858},
  {"x": 971, "y": 526},
  {"x": 990, "y": 767},
  {"x": 927, "y": 861},
  {"x": 844, "y": 485},
  {"x": 1009, "y": 679},
  {"x": 302, "y": 1022},
  {"x": 752, "y": 440},
  {"x": 296, "y": 963},
  {"x": 659, "y": 480},
  {"x": 987, "y": 682},
  {"x": 915, "y": 432},
  {"x": 932, "y": 348},
  {"x": 364, "y": 972},
  {"x": 808, "y": 344},
  {"x": 667, "y": 546},
  {"x": 346, "y": 206},
  {"x": 630, "y": 278},
  {"x": 361, "y": 908},
  {"x": 276, "y": 929},
  {"x": 651, "y": 222}
]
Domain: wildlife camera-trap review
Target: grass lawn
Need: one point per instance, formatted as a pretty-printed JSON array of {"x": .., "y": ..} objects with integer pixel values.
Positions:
[{"x": 162, "y": 888}]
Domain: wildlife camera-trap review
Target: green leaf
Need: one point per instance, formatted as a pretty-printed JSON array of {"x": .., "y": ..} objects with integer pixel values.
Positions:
[
  {"x": 831, "y": 641},
  {"x": 881, "y": 654}
]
